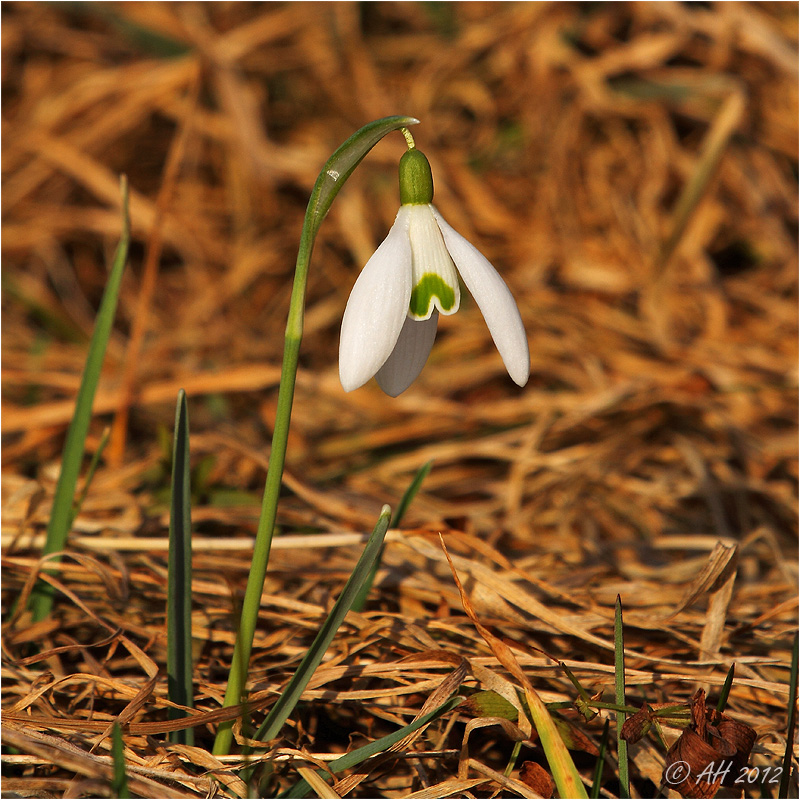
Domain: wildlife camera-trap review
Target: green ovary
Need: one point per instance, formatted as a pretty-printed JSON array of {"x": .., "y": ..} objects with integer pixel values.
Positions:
[{"x": 431, "y": 285}]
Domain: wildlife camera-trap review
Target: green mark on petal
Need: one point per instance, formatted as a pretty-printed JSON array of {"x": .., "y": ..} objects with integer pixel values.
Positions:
[{"x": 431, "y": 285}]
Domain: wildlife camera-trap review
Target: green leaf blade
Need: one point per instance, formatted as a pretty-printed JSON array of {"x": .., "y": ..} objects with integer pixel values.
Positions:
[
  {"x": 59, "y": 524},
  {"x": 356, "y": 757},
  {"x": 288, "y": 700},
  {"x": 179, "y": 577},
  {"x": 619, "y": 688},
  {"x": 405, "y": 501},
  {"x": 119, "y": 783}
]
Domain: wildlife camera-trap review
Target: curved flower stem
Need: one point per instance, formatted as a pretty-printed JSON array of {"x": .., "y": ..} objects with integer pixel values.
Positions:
[{"x": 335, "y": 172}]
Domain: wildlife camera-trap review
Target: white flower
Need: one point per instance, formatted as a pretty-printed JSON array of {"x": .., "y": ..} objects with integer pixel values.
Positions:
[{"x": 390, "y": 320}]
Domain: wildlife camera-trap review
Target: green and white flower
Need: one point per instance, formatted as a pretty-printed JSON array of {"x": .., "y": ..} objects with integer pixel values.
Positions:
[{"x": 390, "y": 320}]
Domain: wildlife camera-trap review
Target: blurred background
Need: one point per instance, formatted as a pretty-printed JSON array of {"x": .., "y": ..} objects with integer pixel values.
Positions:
[{"x": 629, "y": 168}]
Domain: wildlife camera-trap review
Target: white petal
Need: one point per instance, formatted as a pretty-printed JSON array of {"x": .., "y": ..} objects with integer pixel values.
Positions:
[
  {"x": 435, "y": 283},
  {"x": 494, "y": 300},
  {"x": 377, "y": 308},
  {"x": 409, "y": 355}
]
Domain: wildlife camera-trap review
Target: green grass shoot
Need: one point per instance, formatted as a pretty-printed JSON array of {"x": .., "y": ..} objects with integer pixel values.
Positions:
[
  {"x": 278, "y": 714},
  {"x": 119, "y": 783},
  {"x": 58, "y": 527},
  {"x": 619, "y": 688},
  {"x": 726, "y": 689},
  {"x": 179, "y": 579},
  {"x": 382, "y": 745},
  {"x": 405, "y": 501},
  {"x": 87, "y": 483}
]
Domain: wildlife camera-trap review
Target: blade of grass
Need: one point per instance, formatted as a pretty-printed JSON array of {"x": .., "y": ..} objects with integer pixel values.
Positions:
[
  {"x": 179, "y": 577},
  {"x": 597, "y": 780},
  {"x": 382, "y": 745},
  {"x": 58, "y": 527},
  {"x": 405, "y": 502},
  {"x": 726, "y": 689},
  {"x": 512, "y": 759},
  {"x": 119, "y": 784},
  {"x": 410, "y": 494},
  {"x": 619, "y": 688},
  {"x": 278, "y": 714},
  {"x": 338, "y": 168},
  {"x": 93, "y": 464},
  {"x": 783, "y": 789}
]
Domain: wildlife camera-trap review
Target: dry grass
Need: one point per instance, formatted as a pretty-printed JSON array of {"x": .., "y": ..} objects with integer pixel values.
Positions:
[{"x": 631, "y": 170}]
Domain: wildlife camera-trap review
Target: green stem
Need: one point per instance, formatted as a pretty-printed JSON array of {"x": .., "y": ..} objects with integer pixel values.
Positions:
[
  {"x": 408, "y": 137},
  {"x": 619, "y": 687},
  {"x": 333, "y": 175}
]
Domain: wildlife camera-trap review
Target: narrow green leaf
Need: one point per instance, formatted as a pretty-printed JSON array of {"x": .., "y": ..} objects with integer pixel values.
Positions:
[
  {"x": 512, "y": 759},
  {"x": 179, "y": 577},
  {"x": 783, "y": 789},
  {"x": 409, "y": 494},
  {"x": 355, "y": 757},
  {"x": 658, "y": 732},
  {"x": 619, "y": 686},
  {"x": 288, "y": 700},
  {"x": 93, "y": 464},
  {"x": 726, "y": 689},
  {"x": 60, "y": 517},
  {"x": 119, "y": 784},
  {"x": 597, "y": 780}
]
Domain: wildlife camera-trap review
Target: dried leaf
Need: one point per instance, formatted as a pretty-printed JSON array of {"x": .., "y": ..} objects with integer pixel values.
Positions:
[
  {"x": 637, "y": 726},
  {"x": 708, "y": 753},
  {"x": 538, "y": 778}
]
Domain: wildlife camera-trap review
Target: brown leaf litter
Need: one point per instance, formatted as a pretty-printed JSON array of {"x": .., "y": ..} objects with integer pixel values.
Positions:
[{"x": 711, "y": 752}]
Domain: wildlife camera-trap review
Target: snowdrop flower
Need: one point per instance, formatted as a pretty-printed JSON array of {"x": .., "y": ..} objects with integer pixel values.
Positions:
[{"x": 390, "y": 320}]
